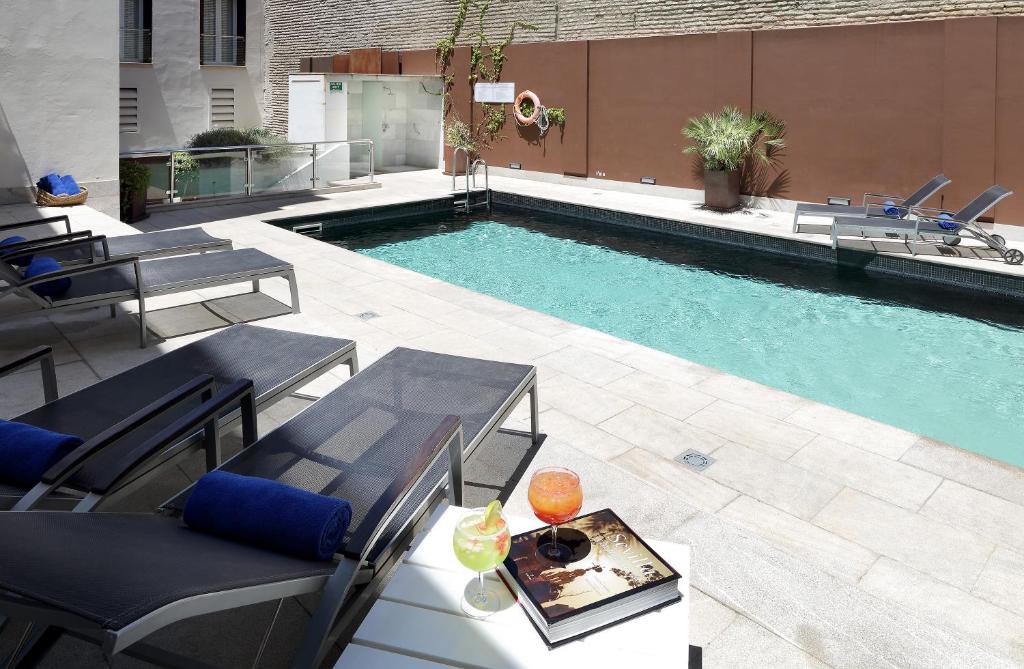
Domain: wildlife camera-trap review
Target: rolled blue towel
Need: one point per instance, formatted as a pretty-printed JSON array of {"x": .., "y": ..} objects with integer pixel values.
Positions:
[
  {"x": 946, "y": 222},
  {"x": 45, "y": 265},
  {"x": 26, "y": 452},
  {"x": 268, "y": 514},
  {"x": 890, "y": 209},
  {"x": 70, "y": 185},
  {"x": 20, "y": 261},
  {"x": 52, "y": 184}
]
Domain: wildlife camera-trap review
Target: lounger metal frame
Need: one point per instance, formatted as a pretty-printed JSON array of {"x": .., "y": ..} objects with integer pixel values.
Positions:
[
  {"x": 20, "y": 286},
  {"x": 217, "y": 245},
  {"x": 928, "y": 227},
  {"x": 334, "y": 588},
  {"x": 876, "y": 200}
]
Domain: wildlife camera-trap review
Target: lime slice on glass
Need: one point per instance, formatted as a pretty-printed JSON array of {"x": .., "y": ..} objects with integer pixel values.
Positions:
[{"x": 492, "y": 516}]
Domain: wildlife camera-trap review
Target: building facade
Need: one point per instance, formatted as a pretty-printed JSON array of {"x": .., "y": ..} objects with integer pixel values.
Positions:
[
  {"x": 188, "y": 66},
  {"x": 296, "y": 28}
]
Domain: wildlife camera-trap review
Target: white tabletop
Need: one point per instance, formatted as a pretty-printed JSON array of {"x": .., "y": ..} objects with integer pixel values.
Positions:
[{"x": 418, "y": 621}]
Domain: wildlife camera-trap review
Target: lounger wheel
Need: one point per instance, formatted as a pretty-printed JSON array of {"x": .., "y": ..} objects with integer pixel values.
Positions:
[
  {"x": 1013, "y": 256},
  {"x": 951, "y": 240},
  {"x": 999, "y": 239}
]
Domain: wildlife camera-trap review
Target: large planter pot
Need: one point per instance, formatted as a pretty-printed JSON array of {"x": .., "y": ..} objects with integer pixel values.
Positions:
[
  {"x": 136, "y": 209},
  {"x": 722, "y": 189},
  {"x": 448, "y": 158}
]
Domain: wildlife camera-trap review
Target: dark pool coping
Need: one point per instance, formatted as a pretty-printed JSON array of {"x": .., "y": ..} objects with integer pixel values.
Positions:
[{"x": 973, "y": 279}]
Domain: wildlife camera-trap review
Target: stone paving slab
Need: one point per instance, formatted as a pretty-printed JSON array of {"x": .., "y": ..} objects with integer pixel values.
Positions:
[{"x": 630, "y": 431}]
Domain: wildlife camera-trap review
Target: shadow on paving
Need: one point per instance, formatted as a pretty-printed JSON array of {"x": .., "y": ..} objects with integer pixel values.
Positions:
[{"x": 232, "y": 639}]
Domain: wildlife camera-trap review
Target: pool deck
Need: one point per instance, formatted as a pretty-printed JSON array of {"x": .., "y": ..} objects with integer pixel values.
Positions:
[{"x": 820, "y": 538}]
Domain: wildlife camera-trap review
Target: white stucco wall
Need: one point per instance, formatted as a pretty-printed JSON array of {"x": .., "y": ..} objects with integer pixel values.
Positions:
[
  {"x": 174, "y": 90},
  {"x": 59, "y": 97}
]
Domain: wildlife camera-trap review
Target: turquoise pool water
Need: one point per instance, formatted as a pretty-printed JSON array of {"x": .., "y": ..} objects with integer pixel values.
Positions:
[{"x": 931, "y": 360}]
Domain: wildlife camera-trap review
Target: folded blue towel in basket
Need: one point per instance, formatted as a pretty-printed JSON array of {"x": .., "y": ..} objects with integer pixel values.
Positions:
[
  {"x": 52, "y": 184},
  {"x": 70, "y": 185},
  {"x": 27, "y": 451},
  {"x": 268, "y": 514}
]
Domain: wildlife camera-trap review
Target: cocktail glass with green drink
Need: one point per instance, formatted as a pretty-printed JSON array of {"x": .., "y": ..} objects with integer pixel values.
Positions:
[{"x": 481, "y": 542}]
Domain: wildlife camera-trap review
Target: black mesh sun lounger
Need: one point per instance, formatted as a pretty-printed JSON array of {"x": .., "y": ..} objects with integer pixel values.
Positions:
[
  {"x": 142, "y": 245},
  {"x": 109, "y": 282},
  {"x": 874, "y": 204},
  {"x": 376, "y": 441},
  {"x": 117, "y": 414}
]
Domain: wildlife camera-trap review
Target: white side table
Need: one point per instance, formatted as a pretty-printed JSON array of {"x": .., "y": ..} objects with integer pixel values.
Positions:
[{"x": 418, "y": 623}]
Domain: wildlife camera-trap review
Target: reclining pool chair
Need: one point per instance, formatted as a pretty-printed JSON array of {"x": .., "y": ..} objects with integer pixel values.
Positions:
[
  {"x": 109, "y": 282},
  {"x": 375, "y": 441},
  {"x": 926, "y": 226},
  {"x": 874, "y": 203},
  {"x": 143, "y": 245},
  {"x": 115, "y": 415}
]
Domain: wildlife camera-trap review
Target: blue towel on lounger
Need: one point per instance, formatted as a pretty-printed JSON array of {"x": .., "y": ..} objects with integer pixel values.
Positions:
[
  {"x": 890, "y": 209},
  {"x": 69, "y": 185},
  {"x": 946, "y": 221},
  {"x": 26, "y": 452},
  {"x": 20, "y": 261},
  {"x": 268, "y": 514},
  {"x": 52, "y": 184},
  {"x": 45, "y": 265}
]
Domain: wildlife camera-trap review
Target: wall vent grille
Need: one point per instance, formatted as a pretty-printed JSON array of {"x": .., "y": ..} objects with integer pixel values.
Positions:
[
  {"x": 129, "y": 101},
  {"x": 222, "y": 108}
]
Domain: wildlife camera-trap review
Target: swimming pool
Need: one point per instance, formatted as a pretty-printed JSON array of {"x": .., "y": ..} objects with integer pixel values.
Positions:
[{"x": 935, "y": 361}]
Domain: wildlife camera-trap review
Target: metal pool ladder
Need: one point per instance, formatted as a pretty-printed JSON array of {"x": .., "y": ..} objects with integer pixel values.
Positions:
[{"x": 467, "y": 204}]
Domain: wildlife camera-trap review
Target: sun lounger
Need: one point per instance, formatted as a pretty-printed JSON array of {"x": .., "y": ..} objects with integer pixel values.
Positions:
[
  {"x": 110, "y": 282},
  {"x": 874, "y": 204},
  {"x": 144, "y": 245},
  {"x": 117, "y": 414},
  {"x": 933, "y": 226},
  {"x": 377, "y": 441}
]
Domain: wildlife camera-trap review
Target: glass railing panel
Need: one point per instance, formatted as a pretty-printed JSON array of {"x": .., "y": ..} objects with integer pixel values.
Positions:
[
  {"x": 207, "y": 174},
  {"x": 282, "y": 169},
  {"x": 341, "y": 163}
]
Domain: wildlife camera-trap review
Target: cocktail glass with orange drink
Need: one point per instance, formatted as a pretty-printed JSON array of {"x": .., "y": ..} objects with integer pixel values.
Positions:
[
  {"x": 556, "y": 496},
  {"x": 481, "y": 542}
]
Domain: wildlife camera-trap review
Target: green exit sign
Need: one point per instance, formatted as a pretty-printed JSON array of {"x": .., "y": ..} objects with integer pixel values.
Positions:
[{"x": 337, "y": 86}]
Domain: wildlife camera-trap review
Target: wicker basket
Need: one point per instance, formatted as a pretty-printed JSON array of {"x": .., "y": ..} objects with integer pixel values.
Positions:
[{"x": 44, "y": 199}]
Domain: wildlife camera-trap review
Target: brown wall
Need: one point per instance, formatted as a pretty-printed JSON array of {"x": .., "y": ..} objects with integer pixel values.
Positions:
[{"x": 879, "y": 107}]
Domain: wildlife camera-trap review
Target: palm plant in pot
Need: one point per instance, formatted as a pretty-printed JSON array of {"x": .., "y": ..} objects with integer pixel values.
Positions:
[
  {"x": 725, "y": 141},
  {"x": 134, "y": 178}
]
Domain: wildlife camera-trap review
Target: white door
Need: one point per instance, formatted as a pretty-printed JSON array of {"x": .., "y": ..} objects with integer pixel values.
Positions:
[{"x": 306, "y": 115}]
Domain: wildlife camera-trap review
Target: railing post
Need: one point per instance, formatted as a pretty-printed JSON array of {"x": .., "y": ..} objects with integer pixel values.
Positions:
[
  {"x": 371, "y": 160},
  {"x": 248, "y": 172},
  {"x": 315, "y": 175},
  {"x": 170, "y": 180}
]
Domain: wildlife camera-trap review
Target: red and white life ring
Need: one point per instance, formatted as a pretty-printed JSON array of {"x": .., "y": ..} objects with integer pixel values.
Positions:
[{"x": 524, "y": 120}]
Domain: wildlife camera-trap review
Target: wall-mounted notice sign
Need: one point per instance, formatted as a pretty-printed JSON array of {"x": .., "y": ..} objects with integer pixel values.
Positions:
[
  {"x": 494, "y": 93},
  {"x": 337, "y": 86}
]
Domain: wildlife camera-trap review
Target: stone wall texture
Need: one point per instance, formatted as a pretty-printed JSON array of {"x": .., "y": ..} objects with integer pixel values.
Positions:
[{"x": 298, "y": 28}]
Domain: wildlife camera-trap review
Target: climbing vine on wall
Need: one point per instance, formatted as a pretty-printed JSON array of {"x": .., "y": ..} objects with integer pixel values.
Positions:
[{"x": 486, "y": 61}]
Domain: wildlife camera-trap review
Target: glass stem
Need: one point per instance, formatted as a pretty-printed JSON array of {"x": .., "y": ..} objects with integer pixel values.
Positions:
[
  {"x": 554, "y": 536},
  {"x": 479, "y": 585}
]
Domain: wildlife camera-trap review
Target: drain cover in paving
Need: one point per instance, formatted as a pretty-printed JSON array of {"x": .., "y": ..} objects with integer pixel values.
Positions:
[{"x": 695, "y": 460}]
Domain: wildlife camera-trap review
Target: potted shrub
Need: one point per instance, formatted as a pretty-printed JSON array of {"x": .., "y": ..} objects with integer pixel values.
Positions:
[
  {"x": 134, "y": 178},
  {"x": 724, "y": 141},
  {"x": 458, "y": 135}
]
